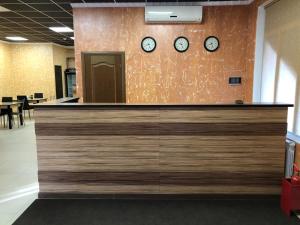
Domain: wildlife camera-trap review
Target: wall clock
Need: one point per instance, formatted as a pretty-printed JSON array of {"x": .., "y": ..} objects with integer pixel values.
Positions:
[
  {"x": 148, "y": 44},
  {"x": 211, "y": 43},
  {"x": 181, "y": 44}
]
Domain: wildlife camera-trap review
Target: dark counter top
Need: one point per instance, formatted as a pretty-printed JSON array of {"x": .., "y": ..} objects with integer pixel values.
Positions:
[
  {"x": 69, "y": 103},
  {"x": 58, "y": 102}
]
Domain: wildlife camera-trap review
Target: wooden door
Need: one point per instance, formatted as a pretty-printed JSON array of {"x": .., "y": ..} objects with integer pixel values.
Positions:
[{"x": 104, "y": 78}]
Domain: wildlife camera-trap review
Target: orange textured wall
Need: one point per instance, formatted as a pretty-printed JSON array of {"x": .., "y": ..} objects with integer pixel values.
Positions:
[{"x": 166, "y": 76}]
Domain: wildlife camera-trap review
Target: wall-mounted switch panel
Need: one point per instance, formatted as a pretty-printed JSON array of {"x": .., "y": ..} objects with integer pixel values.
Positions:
[{"x": 235, "y": 80}]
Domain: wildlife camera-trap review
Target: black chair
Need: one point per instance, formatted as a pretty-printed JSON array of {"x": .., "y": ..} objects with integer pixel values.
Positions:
[
  {"x": 38, "y": 95},
  {"x": 4, "y": 112},
  {"x": 19, "y": 113},
  {"x": 7, "y": 99},
  {"x": 26, "y": 106}
]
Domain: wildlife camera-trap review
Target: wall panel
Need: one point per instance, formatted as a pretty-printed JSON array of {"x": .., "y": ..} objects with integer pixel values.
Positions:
[{"x": 166, "y": 76}]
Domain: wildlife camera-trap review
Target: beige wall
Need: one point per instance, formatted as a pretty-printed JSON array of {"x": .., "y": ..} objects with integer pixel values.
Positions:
[
  {"x": 32, "y": 69},
  {"x": 29, "y": 68},
  {"x": 5, "y": 70}
]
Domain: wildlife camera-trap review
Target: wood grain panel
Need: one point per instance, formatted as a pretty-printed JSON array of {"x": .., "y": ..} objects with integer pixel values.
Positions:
[
  {"x": 83, "y": 188},
  {"x": 54, "y": 189},
  {"x": 222, "y": 189},
  {"x": 204, "y": 129},
  {"x": 97, "y": 116},
  {"x": 266, "y": 178},
  {"x": 101, "y": 178},
  {"x": 261, "y": 115},
  {"x": 91, "y": 153},
  {"x": 222, "y": 153},
  {"x": 162, "y": 151}
]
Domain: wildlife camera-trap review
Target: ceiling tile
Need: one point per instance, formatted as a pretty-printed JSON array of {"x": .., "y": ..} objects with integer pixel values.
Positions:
[
  {"x": 31, "y": 14},
  {"x": 36, "y": 1},
  {"x": 64, "y": 20},
  {"x": 29, "y": 24},
  {"x": 32, "y": 18},
  {"x": 97, "y": 1},
  {"x": 58, "y": 14},
  {"x": 12, "y": 24},
  {"x": 123, "y": 1},
  {"x": 3, "y": 20},
  {"x": 46, "y": 7},
  {"x": 67, "y": 6},
  {"x": 18, "y": 19},
  {"x": 43, "y": 19},
  {"x": 8, "y": 1},
  {"x": 9, "y": 14},
  {"x": 17, "y": 7}
]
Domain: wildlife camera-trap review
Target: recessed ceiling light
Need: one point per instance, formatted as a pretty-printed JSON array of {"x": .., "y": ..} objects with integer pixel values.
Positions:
[
  {"x": 72, "y": 38},
  {"x": 16, "y": 38},
  {"x": 61, "y": 29},
  {"x": 2, "y": 9}
]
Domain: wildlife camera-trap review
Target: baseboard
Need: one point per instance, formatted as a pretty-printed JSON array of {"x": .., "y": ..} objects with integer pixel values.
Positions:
[{"x": 21, "y": 192}]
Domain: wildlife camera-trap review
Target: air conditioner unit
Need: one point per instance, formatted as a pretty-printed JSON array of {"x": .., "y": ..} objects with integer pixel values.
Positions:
[{"x": 173, "y": 14}]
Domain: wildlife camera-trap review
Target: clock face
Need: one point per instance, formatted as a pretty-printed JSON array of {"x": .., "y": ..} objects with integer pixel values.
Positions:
[
  {"x": 181, "y": 44},
  {"x": 148, "y": 44},
  {"x": 211, "y": 43}
]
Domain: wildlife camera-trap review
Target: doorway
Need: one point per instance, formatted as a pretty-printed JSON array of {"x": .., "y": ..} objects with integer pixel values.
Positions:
[
  {"x": 104, "y": 77},
  {"x": 58, "y": 82}
]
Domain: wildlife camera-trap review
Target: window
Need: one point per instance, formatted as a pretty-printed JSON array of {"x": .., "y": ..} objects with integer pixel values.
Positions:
[{"x": 280, "y": 74}]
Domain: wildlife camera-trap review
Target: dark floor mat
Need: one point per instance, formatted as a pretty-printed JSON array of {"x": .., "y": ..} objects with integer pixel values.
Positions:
[{"x": 154, "y": 212}]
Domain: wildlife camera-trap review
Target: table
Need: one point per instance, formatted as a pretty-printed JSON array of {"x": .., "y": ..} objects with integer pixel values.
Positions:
[
  {"x": 37, "y": 100},
  {"x": 8, "y": 105}
]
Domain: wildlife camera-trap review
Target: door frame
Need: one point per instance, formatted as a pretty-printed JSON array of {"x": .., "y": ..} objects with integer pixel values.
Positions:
[{"x": 85, "y": 54}]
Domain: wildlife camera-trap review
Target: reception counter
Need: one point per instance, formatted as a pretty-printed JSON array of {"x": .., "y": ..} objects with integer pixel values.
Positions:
[{"x": 160, "y": 149}]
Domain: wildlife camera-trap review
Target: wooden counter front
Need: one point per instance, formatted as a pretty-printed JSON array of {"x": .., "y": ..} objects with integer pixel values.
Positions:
[{"x": 160, "y": 149}]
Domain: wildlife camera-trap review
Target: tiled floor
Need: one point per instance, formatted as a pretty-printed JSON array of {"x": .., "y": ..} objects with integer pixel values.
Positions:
[{"x": 18, "y": 171}]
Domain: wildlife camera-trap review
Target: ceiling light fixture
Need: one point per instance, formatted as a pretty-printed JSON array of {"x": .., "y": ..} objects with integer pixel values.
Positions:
[
  {"x": 61, "y": 29},
  {"x": 3, "y": 9},
  {"x": 72, "y": 38},
  {"x": 16, "y": 38}
]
